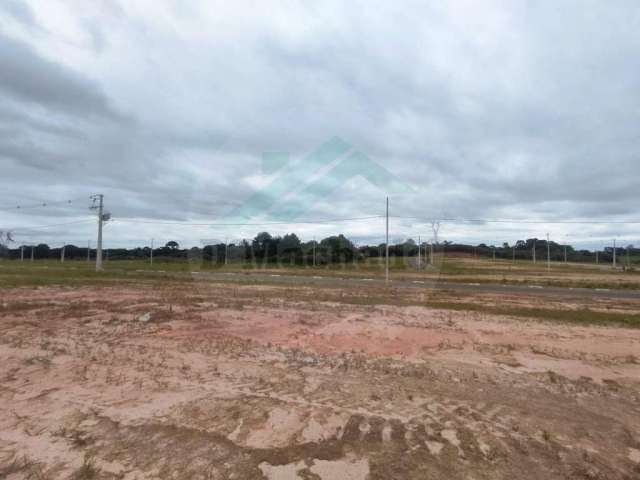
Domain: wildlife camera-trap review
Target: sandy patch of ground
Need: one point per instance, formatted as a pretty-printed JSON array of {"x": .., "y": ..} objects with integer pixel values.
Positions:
[{"x": 200, "y": 383}]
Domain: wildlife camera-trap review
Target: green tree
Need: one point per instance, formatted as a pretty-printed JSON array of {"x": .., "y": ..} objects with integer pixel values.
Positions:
[
  {"x": 290, "y": 247},
  {"x": 42, "y": 251},
  {"x": 337, "y": 248}
]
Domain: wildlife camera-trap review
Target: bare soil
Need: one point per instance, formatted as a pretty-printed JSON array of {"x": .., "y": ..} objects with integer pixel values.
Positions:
[{"x": 246, "y": 382}]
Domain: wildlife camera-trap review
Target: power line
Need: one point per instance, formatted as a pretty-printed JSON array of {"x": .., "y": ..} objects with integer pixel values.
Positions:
[
  {"x": 26, "y": 229},
  {"x": 41, "y": 204},
  {"x": 326, "y": 221},
  {"x": 522, "y": 221}
]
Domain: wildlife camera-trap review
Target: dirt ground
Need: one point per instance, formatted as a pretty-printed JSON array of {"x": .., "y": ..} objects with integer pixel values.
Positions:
[{"x": 246, "y": 382}]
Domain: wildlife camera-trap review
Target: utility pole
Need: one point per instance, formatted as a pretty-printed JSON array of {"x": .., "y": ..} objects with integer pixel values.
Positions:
[
  {"x": 597, "y": 259},
  {"x": 314, "y": 251},
  {"x": 151, "y": 253},
  {"x": 386, "y": 265},
  {"x": 431, "y": 253},
  {"x": 226, "y": 250},
  {"x": 548, "y": 254},
  {"x": 565, "y": 254},
  {"x": 89, "y": 251},
  {"x": 494, "y": 253},
  {"x": 534, "y": 250},
  {"x": 100, "y": 207},
  {"x": 32, "y": 253},
  {"x": 62, "y": 254},
  {"x": 22, "y": 253},
  {"x": 614, "y": 253},
  {"x": 419, "y": 256},
  {"x": 514, "y": 253}
]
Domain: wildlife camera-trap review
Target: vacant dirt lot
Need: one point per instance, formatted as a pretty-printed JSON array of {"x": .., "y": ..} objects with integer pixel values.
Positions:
[{"x": 246, "y": 382}]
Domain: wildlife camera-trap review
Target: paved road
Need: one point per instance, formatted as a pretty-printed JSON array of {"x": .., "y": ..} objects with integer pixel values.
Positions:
[{"x": 426, "y": 284}]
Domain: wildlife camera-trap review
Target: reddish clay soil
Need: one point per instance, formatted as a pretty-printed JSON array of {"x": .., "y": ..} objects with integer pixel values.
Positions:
[{"x": 241, "y": 382}]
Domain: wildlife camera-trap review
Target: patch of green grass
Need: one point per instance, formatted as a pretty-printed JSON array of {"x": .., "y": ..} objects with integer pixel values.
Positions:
[
  {"x": 583, "y": 316},
  {"x": 14, "y": 273}
]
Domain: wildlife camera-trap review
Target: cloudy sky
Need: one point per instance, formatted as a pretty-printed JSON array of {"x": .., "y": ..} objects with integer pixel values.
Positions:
[{"x": 480, "y": 109}]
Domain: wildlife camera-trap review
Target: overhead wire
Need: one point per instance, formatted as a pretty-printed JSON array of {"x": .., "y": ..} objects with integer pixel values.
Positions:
[
  {"x": 239, "y": 224},
  {"x": 42, "y": 204}
]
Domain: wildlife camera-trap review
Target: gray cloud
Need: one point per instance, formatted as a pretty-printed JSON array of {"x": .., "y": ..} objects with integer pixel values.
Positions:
[
  {"x": 31, "y": 78},
  {"x": 509, "y": 109},
  {"x": 19, "y": 10}
]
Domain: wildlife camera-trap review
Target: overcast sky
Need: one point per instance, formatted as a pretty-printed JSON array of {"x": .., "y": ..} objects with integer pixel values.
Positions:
[{"x": 487, "y": 109}]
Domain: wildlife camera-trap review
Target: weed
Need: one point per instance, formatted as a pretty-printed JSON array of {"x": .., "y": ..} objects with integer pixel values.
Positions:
[
  {"x": 87, "y": 470},
  {"x": 37, "y": 359}
]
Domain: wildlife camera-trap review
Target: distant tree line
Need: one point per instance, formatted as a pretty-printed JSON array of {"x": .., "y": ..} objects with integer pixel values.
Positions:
[{"x": 266, "y": 248}]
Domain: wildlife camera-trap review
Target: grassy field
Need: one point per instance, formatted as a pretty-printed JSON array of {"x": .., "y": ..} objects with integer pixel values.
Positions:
[
  {"x": 164, "y": 274},
  {"x": 445, "y": 268}
]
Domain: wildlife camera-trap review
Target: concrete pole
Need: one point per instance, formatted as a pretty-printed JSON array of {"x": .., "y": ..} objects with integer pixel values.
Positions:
[
  {"x": 151, "y": 253},
  {"x": 89, "y": 251},
  {"x": 419, "y": 249},
  {"x": 22, "y": 253},
  {"x": 62, "y": 254},
  {"x": 534, "y": 250},
  {"x": 386, "y": 267},
  {"x": 614, "y": 253},
  {"x": 100, "y": 220},
  {"x": 32, "y": 253},
  {"x": 548, "y": 254}
]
